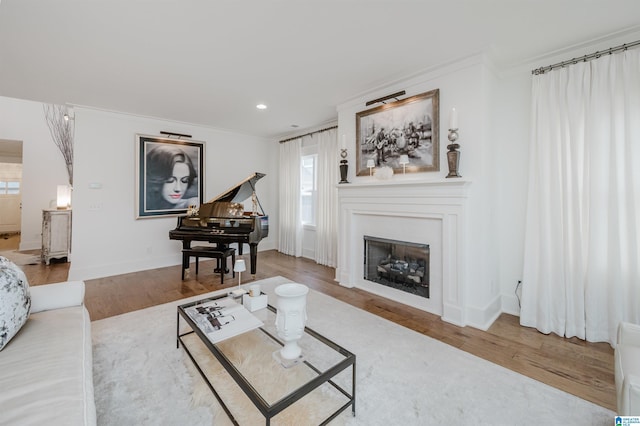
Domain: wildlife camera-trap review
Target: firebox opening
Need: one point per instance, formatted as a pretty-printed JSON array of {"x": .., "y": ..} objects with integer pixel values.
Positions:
[{"x": 397, "y": 264}]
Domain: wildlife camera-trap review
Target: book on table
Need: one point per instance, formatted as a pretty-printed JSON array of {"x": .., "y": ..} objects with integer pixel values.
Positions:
[{"x": 222, "y": 318}]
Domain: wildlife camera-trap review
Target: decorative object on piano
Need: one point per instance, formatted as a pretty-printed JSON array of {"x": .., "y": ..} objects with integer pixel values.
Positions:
[
  {"x": 371, "y": 164},
  {"x": 453, "y": 156},
  {"x": 254, "y": 204},
  {"x": 192, "y": 210},
  {"x": 239, "y": 267},
  {"x": 235, "y": 209},
  {"x": 291, "y": 317},
  {"x": 223, "y": 221},
  {"x": 170, "y": 175},
  {"x": 404, "y": 127}
]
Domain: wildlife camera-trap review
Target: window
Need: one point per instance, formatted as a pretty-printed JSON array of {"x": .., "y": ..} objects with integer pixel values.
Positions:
[
  {"x": 10, "y": 188},
  {"x": 308, "y": 189}
]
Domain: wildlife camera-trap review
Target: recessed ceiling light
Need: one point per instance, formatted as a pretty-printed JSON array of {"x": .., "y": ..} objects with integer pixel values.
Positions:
[
  {"x": 294, "y": 126},
  {"x": 261, "y": 106}
]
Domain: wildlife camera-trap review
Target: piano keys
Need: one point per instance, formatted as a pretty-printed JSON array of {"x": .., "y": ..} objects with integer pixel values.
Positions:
[{"x": 223, "y": 221}]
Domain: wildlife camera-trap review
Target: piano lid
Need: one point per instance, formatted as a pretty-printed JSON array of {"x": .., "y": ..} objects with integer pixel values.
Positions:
[{"x": 240, "y": 192}]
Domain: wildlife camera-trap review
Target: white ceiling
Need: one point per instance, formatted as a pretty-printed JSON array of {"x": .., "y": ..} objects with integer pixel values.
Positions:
[{"x": 210, "y": 62}]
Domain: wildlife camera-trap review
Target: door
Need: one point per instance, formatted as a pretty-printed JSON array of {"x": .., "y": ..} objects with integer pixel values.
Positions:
[{"x": 10, "y": 197}]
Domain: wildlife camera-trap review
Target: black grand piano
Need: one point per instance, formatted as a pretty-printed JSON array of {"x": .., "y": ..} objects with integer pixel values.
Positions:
[{"x": 223, "y": 220}]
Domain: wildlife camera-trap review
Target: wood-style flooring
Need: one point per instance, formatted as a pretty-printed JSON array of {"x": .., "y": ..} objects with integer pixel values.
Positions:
[{"x": 572, "y": 365}]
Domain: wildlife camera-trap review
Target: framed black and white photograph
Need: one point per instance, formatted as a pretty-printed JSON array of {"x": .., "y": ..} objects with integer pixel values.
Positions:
[
  {"x": 402, "y": 135},
  {"x": 170, "y": 176}
]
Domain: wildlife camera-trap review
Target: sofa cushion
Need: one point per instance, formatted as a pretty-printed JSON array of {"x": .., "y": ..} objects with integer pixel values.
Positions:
[
  {"x": 46, "y": 373},
  {"x": 15, "y": 301}
]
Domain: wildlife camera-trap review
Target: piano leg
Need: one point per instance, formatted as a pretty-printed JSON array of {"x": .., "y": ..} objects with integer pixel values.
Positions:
[
  {"x": 186, "y": 245},
  {"x": 253, "y": 251}
]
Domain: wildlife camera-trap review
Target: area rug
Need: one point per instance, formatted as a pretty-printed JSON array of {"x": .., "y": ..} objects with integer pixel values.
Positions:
[
  {"x": 403, "y": 377},
  {"x": 20, "y": 258}
]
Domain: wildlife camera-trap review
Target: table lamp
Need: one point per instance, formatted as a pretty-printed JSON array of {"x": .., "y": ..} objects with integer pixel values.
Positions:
[
  {"x": 404, "y": 160},
  {"x": 371, "y": 164},
  {"x": 239, "y": 267}
]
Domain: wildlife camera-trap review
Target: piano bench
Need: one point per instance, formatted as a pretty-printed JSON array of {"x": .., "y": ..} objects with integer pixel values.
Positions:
[{"x": 212, "y": 253}]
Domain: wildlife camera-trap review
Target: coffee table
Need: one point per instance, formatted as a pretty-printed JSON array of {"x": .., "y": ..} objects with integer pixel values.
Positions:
[{"x": 271, "y": 387}]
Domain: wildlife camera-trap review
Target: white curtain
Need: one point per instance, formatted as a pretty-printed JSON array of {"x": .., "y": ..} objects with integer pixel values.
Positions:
[
  {"x": 290, "y": 226},
  {"x": 581, "y": 275},
  {"x": 327, "y": 211}
]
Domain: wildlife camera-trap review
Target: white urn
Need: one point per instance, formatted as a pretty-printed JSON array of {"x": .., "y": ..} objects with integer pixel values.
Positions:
[{"x": 291, "y": 317}]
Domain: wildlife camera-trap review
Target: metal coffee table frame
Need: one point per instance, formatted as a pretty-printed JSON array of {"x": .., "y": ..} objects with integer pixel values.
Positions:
[{"x": 270, "y": 410}]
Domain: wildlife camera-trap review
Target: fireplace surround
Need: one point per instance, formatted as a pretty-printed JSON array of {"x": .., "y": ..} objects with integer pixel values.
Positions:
[{"x": 416, "y": 211}]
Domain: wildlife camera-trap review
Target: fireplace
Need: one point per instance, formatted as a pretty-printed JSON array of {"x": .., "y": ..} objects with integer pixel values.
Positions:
[
  {"x": 429, "y": 212},
  {"x": 397, "y": 264}
]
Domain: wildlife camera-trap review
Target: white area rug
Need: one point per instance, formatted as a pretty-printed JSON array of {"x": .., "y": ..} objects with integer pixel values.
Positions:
[
  {"x": 20, "y": 258},
  {"x": 403, "y": 377}
]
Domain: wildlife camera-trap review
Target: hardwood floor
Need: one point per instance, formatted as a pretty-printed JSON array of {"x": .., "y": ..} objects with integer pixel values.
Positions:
[{"x": 572, "y": 365}]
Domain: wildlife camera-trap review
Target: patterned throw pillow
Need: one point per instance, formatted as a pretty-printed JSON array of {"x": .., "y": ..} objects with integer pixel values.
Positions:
[{"x": 15, "y": 300}]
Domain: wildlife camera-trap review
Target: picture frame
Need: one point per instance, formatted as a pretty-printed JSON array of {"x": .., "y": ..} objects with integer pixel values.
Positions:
[
  {"x": 170, "y": 175},
  {"x": 406, "y": 127}
]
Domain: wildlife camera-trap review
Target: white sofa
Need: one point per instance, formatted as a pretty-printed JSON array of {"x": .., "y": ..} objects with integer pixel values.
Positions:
[
  {"x": 627, "y": 369},
  {"x": 46, "y": 372}
]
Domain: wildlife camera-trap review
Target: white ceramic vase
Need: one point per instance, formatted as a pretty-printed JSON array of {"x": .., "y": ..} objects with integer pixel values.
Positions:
[{"x": 291, "y": 317}]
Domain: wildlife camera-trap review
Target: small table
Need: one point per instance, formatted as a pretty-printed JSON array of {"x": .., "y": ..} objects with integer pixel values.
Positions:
[{"x": 324, "y": 361}]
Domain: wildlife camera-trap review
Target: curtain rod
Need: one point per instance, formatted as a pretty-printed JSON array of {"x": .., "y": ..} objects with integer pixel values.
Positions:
[
  {"x": 585, "y": 58},
  {"x": 308, "y": 134}
]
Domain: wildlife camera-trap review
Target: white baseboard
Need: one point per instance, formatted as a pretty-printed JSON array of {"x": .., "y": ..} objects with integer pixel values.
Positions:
[
  {"x": 482, "y": 318},
  {"x": 30, "y": 244}
]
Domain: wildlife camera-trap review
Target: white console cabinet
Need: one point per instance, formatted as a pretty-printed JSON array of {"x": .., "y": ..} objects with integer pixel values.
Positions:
[{"x": 56, "y": 234}]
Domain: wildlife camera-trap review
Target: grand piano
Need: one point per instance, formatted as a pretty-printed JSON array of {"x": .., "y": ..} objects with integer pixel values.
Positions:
[{"x": 223, "y": 221}]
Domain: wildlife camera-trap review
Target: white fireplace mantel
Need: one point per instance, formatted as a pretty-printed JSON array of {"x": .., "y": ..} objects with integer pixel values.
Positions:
[
  {"x": 421, "y": 185},
  {"x": 423, "y": 211}
]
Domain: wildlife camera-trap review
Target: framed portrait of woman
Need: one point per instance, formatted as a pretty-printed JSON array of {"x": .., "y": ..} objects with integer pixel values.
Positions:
[{"x": 170, "y": 174}]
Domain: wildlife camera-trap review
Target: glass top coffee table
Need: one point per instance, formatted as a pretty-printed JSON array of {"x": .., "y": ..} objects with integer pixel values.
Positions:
[{"x": 317, "y": 390}]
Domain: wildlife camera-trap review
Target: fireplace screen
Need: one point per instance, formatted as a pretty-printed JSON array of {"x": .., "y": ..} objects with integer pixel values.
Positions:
[{"x": 397, "y": 264}]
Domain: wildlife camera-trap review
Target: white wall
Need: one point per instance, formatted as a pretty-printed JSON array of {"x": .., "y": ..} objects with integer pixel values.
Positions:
[
  {"x": 43, "y": 166},
  {"x": 107, "y": 238},
  {"x": 512, "y": 116}
]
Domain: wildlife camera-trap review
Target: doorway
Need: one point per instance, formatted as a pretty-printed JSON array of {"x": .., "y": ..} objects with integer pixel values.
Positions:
[{"x": 10, "y": 193}]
